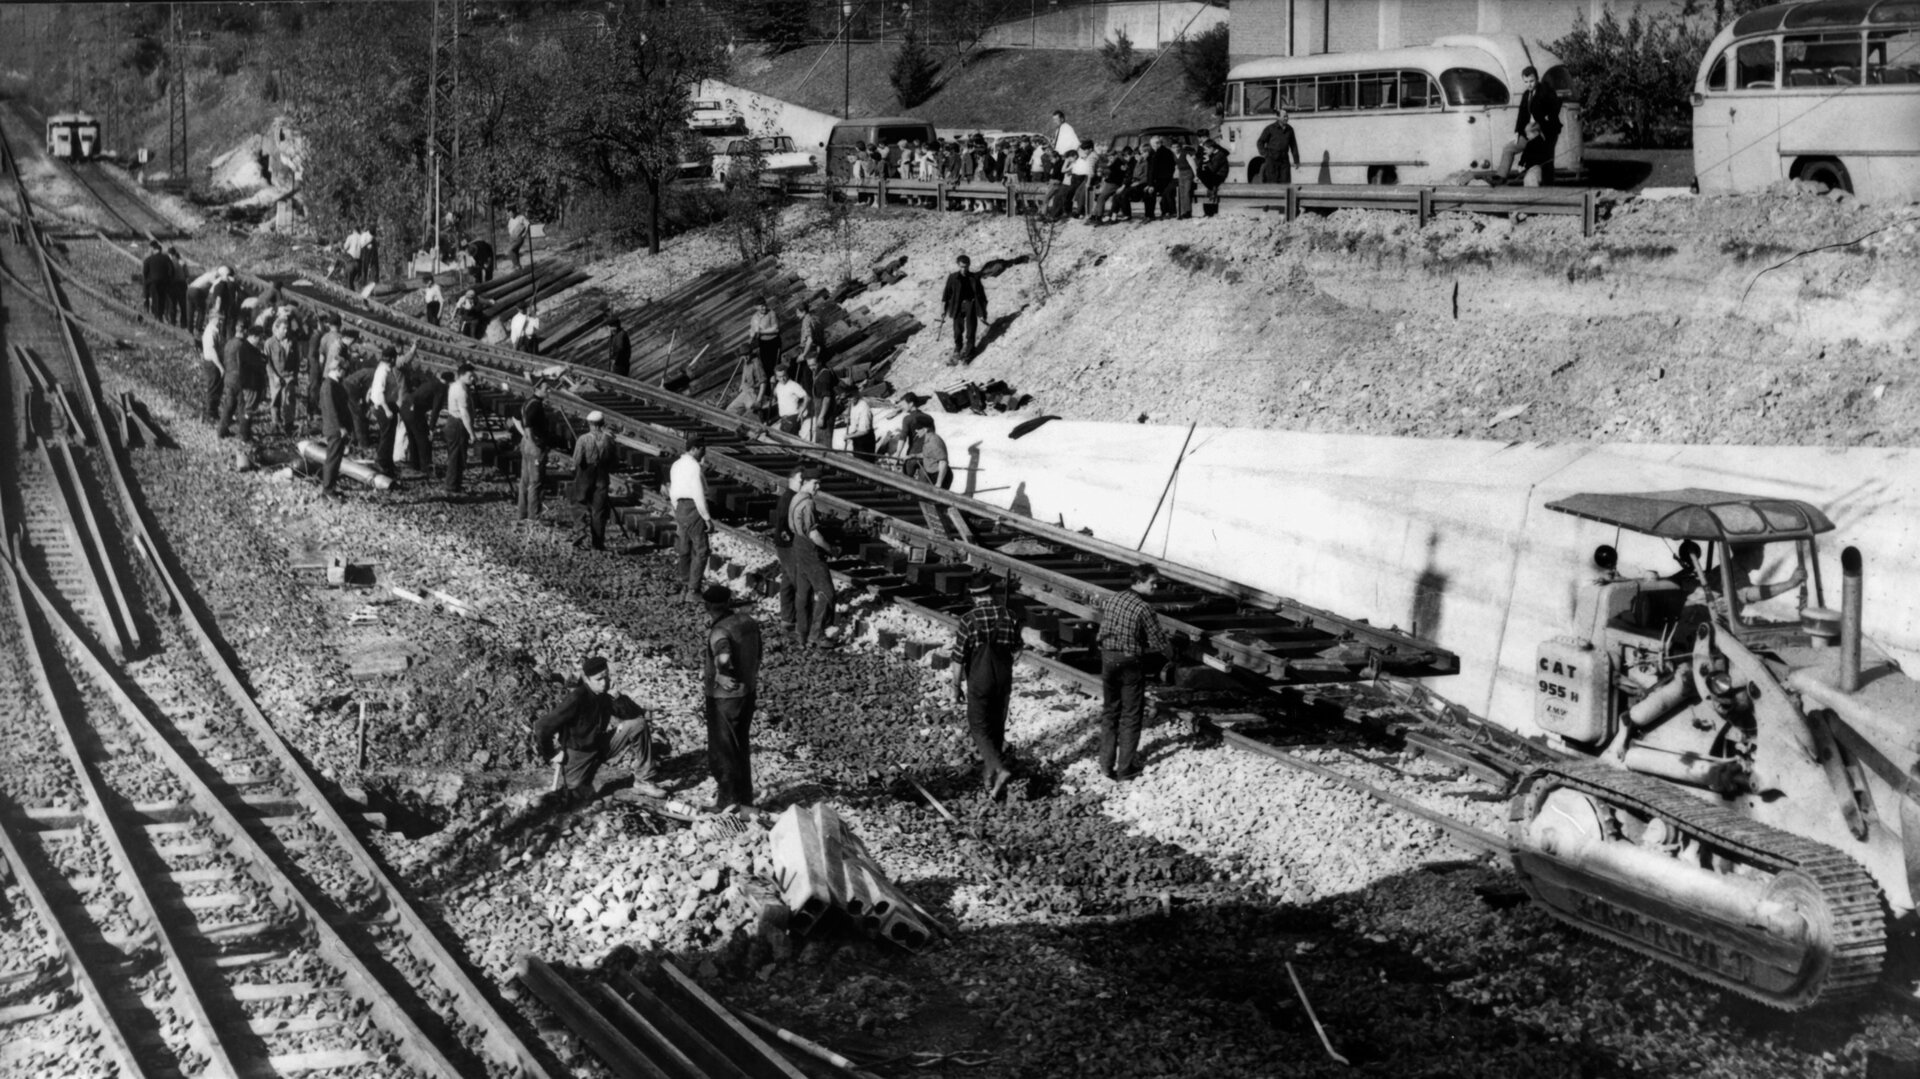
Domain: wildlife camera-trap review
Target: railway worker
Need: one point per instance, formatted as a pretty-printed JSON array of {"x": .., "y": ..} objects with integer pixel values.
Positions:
[
  {"x": 534, "y": 442},
  {"x": 826, "y": 404},
  {"x": 860, "y": 436},
  {"x": 985, "y": 644},
  {"x": 431, "y": 298},
  {"x": 752, "y": 398},
  {"x": 359, "y": 383},
  {"x": 1128, "y": 631},
  {"x": 225, "y": 299},
  {"x": 780, "y": 528},
  {"x": 813, "y": 336},
  {"x": 791, "y": 399},
  {"x": 466, "y": 314},
  {"x": 212, "y": 368},
  {"x": 351, "y": 247},
  {"x": 1279, "y": 150},
  {"x": 459, "y": 429},
  {"x": 335, "y": 412},
  {"x": 328, "y": 351},
  {"x": 523, "y": 334},
  {"x": 593, "y": 462},
  {"x": 687, "y": 490},
  {"x": 383, "y": 407},
  {"x": 156, "y": 279},
  {"x": 732, "y": 682},
  {"x": 177, "y": 281},
  {"x": 283, "y": 373},
  {"x": 593, "y": 726},
  {"x": 481, "y": 254},
  {"x": 369, "y": 257},
  {"x": 964, "y": 300},
  {"x": 764, "y": 330},
  {"x": 619, "y": 347},
  {"x": 812, "y": 583},
  {"x": 934, "y": 465},
  {"x": 421, "y": 395},
  {"x": 198, "y": 293},
  {"x": 517, "y": 229},
  {"x": 245, "y": 377}
]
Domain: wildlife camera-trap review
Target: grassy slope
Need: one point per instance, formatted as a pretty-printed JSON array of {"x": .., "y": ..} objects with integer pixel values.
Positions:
[{"x": 1008, "y": 89}]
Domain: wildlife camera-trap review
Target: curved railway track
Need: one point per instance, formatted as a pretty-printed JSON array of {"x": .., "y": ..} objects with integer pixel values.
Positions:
[
  {"x": 121, "y": 204},
  {"x": 205, "y": 909}
]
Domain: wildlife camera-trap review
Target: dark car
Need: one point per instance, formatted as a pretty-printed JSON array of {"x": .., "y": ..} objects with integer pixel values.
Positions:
[{"x": 1137, "y": 139}]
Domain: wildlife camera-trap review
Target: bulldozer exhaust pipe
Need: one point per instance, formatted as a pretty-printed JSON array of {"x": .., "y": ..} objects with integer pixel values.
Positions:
[{"x": 1850, "y": 599}]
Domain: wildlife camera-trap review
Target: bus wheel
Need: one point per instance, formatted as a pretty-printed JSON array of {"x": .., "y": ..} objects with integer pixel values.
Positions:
[
  {"x": 1383, "y": 174},
  {"x": 1828, "y": 171}
]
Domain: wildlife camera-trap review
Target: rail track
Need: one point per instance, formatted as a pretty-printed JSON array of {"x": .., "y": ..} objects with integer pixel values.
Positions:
[
  {"x": 203, "y": 909},
  {"x": 139, "y": 219}
]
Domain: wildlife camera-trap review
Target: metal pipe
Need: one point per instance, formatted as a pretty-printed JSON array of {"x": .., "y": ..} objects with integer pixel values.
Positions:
[
  {"x": 1664, "y": 699},
  {"x": 1851, "y": 596},
  {"x": 355, "y": 470}
]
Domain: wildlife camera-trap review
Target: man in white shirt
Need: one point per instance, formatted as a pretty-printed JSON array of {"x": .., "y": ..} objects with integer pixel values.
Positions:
[
  {"x": 860, "y": 437},
  {"x": 351, "y": 247},
  {"x": 459, "y": 428},
  {"x": 791, "y": 398},
  {"x": 687, "y": 489},
  {"x": 517, "y": 229},
  {"x": 382, "y": 405},
  {"x": 523, "y": 334},
  {"x": 432, "y": 299},
  {"x": 1064, "y": 138}
]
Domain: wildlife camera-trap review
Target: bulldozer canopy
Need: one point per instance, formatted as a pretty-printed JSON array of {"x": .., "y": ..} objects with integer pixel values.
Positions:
[{"x": 1697, "y": 514}]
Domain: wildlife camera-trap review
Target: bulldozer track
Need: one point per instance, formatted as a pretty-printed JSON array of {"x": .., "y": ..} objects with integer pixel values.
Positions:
[
  {"x": 1856, "y": 910},
  {"x": 203, "y": 907}
]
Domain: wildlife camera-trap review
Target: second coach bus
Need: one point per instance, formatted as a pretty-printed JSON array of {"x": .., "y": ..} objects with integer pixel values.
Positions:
[
  {"x": 1827, "y": 91},
  {"x": 1424, "y": 115}
]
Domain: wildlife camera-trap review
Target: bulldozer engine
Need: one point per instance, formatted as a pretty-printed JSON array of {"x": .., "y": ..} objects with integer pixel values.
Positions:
[{"x": 1573, "y": 698}]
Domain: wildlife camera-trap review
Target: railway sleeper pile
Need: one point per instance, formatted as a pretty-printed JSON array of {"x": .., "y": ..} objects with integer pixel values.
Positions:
[
  {"x": 692, "y": 339},
  {"x": 820, "y": 866}
]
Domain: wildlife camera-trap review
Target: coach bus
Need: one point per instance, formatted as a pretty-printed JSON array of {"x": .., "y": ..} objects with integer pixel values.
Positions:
[
  {"x": 1429, "y": 114},
  {"x": 1827, "y": 91},
  {"x": 73, "y": 136}
]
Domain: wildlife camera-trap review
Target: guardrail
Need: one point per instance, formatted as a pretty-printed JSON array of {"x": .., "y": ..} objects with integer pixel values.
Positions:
[{"x": 1014, "y": 198}]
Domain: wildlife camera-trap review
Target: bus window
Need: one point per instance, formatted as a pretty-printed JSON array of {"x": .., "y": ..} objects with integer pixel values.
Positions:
[
  {"x": 1559, "y": 81},
  {"x": 1754, "y": 66},
  {"x": 1298, "y": 94},
  {"x": 1377, "y": 90},
  {"x": 1469, "y": 86},
  {"x": 1336, "y": 92},
  {"x": 1821, "y": 59},
  {"x": 1893, "y": 57},
  {"x": 1236, "y": 99},
  {"x": 1259, "y": 98},
  {"x": 1416, "y": 90},
  {"x": 1717, "y": 77}
]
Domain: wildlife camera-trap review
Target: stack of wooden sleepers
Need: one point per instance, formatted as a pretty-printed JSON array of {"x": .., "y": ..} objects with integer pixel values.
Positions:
[
  {"x": 821, "y": 866},
  {"x": 695, "y": 338},
  {"x": 528, "y": 284}
]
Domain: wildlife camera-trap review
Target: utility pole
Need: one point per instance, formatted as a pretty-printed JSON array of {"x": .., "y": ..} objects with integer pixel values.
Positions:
[
  {"x": 846, "y": 82},
  {"x": 443, "y": 116},
  {"x": 177, "y": 174}
]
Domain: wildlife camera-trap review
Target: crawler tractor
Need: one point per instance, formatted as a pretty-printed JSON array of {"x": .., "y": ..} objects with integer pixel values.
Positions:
[{"x": 1741, "y": 797}]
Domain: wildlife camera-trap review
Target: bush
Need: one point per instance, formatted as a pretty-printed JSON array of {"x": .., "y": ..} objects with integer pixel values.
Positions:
[
  {"x": 1634, "y": 79},
  {"x": 914, "y": 71},
  {"x": 622, "y": 215},
  {"x": 1119, "y": 56},
  {"x": 1204, "y": 65}
]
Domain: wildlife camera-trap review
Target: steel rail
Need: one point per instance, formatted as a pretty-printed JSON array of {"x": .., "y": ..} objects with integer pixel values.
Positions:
[
  {"x": 92, "y": 176},
  {"x": 497, "y": 1037}
]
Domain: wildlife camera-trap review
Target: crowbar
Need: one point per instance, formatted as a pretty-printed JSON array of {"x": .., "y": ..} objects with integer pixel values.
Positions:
[{"x": 1317, "y": 1028}]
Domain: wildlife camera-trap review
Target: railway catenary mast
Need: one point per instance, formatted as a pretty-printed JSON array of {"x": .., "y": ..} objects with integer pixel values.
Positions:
[{"x": 443, "y": 114}]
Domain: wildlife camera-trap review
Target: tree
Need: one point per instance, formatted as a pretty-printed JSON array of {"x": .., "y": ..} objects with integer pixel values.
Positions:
[
  {"x": 1118, "y": 54},
  {"x": 1204, "y": 65},
  {"x": 783, "y": 25},
  {"x": 620, "y": 110},
  {"x": 1635, "y": 78},
  {"x": 914, "y": 71},
  {"x": 965, "y": 24}
]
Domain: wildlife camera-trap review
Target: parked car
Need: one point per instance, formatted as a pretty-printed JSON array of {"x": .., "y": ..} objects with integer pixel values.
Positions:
[
  {"x": 1137, "y": 139},
  {"x": 778, "y": 158},
  {"x": 716, "y": 116},
  {"x": 870, "y": 130}
]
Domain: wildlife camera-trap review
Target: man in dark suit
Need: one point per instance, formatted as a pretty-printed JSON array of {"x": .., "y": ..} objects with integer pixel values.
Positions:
[
  {"x": 156, "y": 275},
  {"x": 1539, "y": 105},
  {"x": 965, "y": 302},
  {"x": 619, "y": 348},
  {"x": 1160, "y": 167},
  {"x": 1279, "y": 150}
]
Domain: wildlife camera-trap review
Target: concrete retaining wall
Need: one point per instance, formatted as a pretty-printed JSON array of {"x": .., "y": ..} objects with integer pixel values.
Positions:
[
  {"x": 1450, "y": 539},
  {"x": 1148, "y": 25}
]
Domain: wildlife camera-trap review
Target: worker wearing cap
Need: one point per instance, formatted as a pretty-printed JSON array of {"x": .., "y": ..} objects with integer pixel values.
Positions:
[
  {"x": 964, "y": 300},
  {"x": 732, "y": 685},
  {"x": 687, "y": 489},
  {"x": 246, "y": 376},
  {"x": 984, "y": 648},
  {"x": 532, "y": 425},
  {"x": 812, "y": 584},
  {"x": 593, "y": 461},
  {"x": 583, "y": 727},
  {"x": 781, "y": 529}
]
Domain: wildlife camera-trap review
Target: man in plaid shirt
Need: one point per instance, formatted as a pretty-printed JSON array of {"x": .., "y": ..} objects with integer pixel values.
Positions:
[
  {"x": 988, "y": 641},
  {"x": 1128, "y": 631}
]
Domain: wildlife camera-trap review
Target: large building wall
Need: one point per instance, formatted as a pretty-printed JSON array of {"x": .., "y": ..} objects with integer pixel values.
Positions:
[
  {"x": 1149, "y": 24},
  {"x": 1261, "y": 27}
]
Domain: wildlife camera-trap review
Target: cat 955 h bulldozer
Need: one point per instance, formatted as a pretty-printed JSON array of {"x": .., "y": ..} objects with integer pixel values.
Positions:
[{"x": 1740, "y": 795}]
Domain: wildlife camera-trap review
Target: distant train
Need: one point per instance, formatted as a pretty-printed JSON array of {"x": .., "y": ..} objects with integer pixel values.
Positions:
[{"x": 73, "y": 136}]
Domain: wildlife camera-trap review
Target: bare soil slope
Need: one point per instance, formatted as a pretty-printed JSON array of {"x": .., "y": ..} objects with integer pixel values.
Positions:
[{"x": 1750, "y": 320}]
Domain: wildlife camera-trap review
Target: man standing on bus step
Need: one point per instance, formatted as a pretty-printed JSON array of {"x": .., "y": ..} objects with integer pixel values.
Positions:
[
  {"x": 1538, "y": 105},
  {"x": 812, "y": 584},
  {"x": 1279, "y": 150},
  {"x": 156, "y": 276},
  {"x": 984, "y": 651},
  {"x": 687, "y": 490},
  {"x": 964, "y": 300}
]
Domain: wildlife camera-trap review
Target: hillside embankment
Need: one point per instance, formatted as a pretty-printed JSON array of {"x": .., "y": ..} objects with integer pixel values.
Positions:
[{"x": 1782, "y": 318}]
